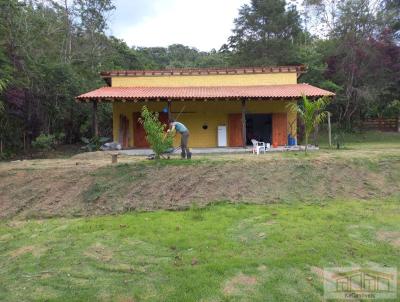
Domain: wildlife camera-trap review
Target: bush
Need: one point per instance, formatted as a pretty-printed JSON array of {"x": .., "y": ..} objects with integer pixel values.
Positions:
[
  {"x": 155, "y": 132},
  {"x": 7, "y": 154},
  {"x": 60, "y": 138},
  {"x": 44, "y": 142}
]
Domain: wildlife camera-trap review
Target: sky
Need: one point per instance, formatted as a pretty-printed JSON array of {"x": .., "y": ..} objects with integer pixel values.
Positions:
[{"x": 203, "y": 24}]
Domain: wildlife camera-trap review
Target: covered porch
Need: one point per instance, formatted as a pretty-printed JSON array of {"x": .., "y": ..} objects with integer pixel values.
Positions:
[{"x": 226, "y": 117}]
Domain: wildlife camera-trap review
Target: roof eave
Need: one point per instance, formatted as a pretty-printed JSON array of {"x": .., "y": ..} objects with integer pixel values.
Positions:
[{"x": 229, "y": 98}]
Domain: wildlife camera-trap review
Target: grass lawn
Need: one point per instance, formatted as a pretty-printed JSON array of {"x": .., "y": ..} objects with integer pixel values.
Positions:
[
  {"x": 364, "y": 140},
  {"x": 219, "y": 253}
]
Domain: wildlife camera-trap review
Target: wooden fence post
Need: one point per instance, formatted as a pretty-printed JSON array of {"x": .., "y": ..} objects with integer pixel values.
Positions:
[
  {"x": 244, "y": 123},
  {"x": 398, "y": 123},
  {"x": 329, "y": 129}
]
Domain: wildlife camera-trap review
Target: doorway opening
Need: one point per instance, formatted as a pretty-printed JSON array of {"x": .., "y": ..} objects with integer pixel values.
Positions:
[{"x": 259, "y": 127}]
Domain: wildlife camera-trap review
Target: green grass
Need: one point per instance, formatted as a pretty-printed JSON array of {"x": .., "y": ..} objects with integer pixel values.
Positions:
[
  {"x": 195, "y": 255},
  {"x": 363, "y": 140},
  {"x": 223, "y": 252}
]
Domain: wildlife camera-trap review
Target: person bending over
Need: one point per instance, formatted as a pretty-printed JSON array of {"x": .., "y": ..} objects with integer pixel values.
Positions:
[{"x": 184, "y": 132}]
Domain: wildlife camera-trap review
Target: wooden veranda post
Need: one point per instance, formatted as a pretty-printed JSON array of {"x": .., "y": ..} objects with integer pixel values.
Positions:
[
  {"x": 244, "y": 123},
  {"x": 169, "y": 110},
  {"x": 94, "y": 120}
]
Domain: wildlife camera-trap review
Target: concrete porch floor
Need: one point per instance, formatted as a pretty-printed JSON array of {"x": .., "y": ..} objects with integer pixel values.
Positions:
[{"x": 221, "y": 150}]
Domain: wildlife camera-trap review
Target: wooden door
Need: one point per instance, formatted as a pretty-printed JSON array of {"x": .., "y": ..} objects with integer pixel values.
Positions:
[
  {"x": 123, "y": 131},
  {"x": 235, "y": 135},
  {"x": 139, "y": 134},
  {"x": 279, "y": 129}
]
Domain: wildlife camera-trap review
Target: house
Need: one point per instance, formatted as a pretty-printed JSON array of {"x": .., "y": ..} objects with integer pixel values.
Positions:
[{"x": 221, "y": 107}]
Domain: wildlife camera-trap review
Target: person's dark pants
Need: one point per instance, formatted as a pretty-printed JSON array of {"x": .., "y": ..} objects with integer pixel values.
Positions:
[{"x": 184, "y": 145}]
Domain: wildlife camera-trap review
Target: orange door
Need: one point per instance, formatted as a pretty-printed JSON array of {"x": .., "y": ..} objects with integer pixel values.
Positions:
[
  {"x": 279, "y": 129},
  {"x": 139, "y": 135},
  {"x": 235, "y": 130}
]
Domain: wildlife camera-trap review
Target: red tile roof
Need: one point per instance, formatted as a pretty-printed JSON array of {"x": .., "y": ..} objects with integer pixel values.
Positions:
[
  {"x": 203, "y": 71},
  {"x": 218, "y": 92}
]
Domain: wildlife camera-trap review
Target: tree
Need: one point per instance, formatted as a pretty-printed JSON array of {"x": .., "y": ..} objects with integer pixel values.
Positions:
[
  {"x": 52, "y": 51},
  {"x": 155, "y": 132},
  {"x": 314, "y": 56},
  {"x": 92, "y": 16},
  {"x": 3, "y": 117},
  {"x": 265, "y": 33},
  {"x": 179, "y": 56},
  {"x": 362, "y": 57},
  {"x": 5, "y": 74},
  {"x": 311, "y": 113},
  {"x": 389, "y": 17}
]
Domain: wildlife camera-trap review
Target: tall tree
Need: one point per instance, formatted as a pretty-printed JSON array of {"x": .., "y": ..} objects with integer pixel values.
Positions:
[
  {"x": 389, "y": 17},
  {"x": 54, "y": 52},
  {"x": 92, "y": 17},
  {"x": 265, "y": 33},
  {"x": 363, "y": 61}
]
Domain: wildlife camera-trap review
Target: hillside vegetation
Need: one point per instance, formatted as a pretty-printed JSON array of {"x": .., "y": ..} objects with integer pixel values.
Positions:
[{"x": 88, "y": 184}]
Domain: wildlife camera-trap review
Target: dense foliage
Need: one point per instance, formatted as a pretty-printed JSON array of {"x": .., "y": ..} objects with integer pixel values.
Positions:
[
  {"x": 160, "y": 140},
  {"x": 51, "y": 51}
]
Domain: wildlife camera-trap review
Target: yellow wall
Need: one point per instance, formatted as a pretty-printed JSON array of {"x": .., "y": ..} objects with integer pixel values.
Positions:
[
  {"x": 195, "y": 114},
  {"x": 206, "y": 80}
]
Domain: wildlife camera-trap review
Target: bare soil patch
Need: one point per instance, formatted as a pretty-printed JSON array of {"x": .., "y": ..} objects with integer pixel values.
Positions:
[
  {"x": 99, "y": 252},
  {"x": 391, "y": 237},
  {"x": 239, "y": 284},
  {"x": 6, "y": 237},
  {"x": 89, "y": 185},
  {"x": 36, "y": 251}
]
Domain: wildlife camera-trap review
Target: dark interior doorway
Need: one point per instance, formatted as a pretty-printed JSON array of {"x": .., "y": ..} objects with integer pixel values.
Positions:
[{"x": 259, "y": 127}]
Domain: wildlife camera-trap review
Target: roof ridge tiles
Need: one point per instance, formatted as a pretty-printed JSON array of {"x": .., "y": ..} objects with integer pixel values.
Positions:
[{"x": 205, "y": 71}]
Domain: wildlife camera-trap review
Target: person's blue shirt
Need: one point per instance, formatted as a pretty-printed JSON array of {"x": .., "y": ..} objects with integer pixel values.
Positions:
[{"x": 181, "y": 128}]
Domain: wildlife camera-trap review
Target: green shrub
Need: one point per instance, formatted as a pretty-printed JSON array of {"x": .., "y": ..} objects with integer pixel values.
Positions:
[
  {"x": 338, "y": 137},
  {"x": 60, "y": 137},
  {"x": 6, "y": 154},
  {"x": 155, "y": 132},
  {"x": 44, "y": 142}
]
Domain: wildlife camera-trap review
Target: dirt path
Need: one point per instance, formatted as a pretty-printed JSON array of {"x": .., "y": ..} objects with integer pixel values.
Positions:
[{"x": 87, "y": 184}]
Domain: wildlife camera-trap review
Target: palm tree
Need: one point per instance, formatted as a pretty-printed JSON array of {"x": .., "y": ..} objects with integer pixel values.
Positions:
[{"x": 312, "y": 113}]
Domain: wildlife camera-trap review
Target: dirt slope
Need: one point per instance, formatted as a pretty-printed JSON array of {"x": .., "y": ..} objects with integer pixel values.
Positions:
[{"x": 90, "y": 185}]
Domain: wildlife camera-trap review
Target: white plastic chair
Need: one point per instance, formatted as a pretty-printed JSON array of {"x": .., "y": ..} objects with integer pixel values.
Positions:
[{"x": 259, "y": 146}]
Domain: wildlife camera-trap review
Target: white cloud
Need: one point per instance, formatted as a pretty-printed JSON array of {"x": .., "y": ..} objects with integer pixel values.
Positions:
[{"x": 204, "y": 24}]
